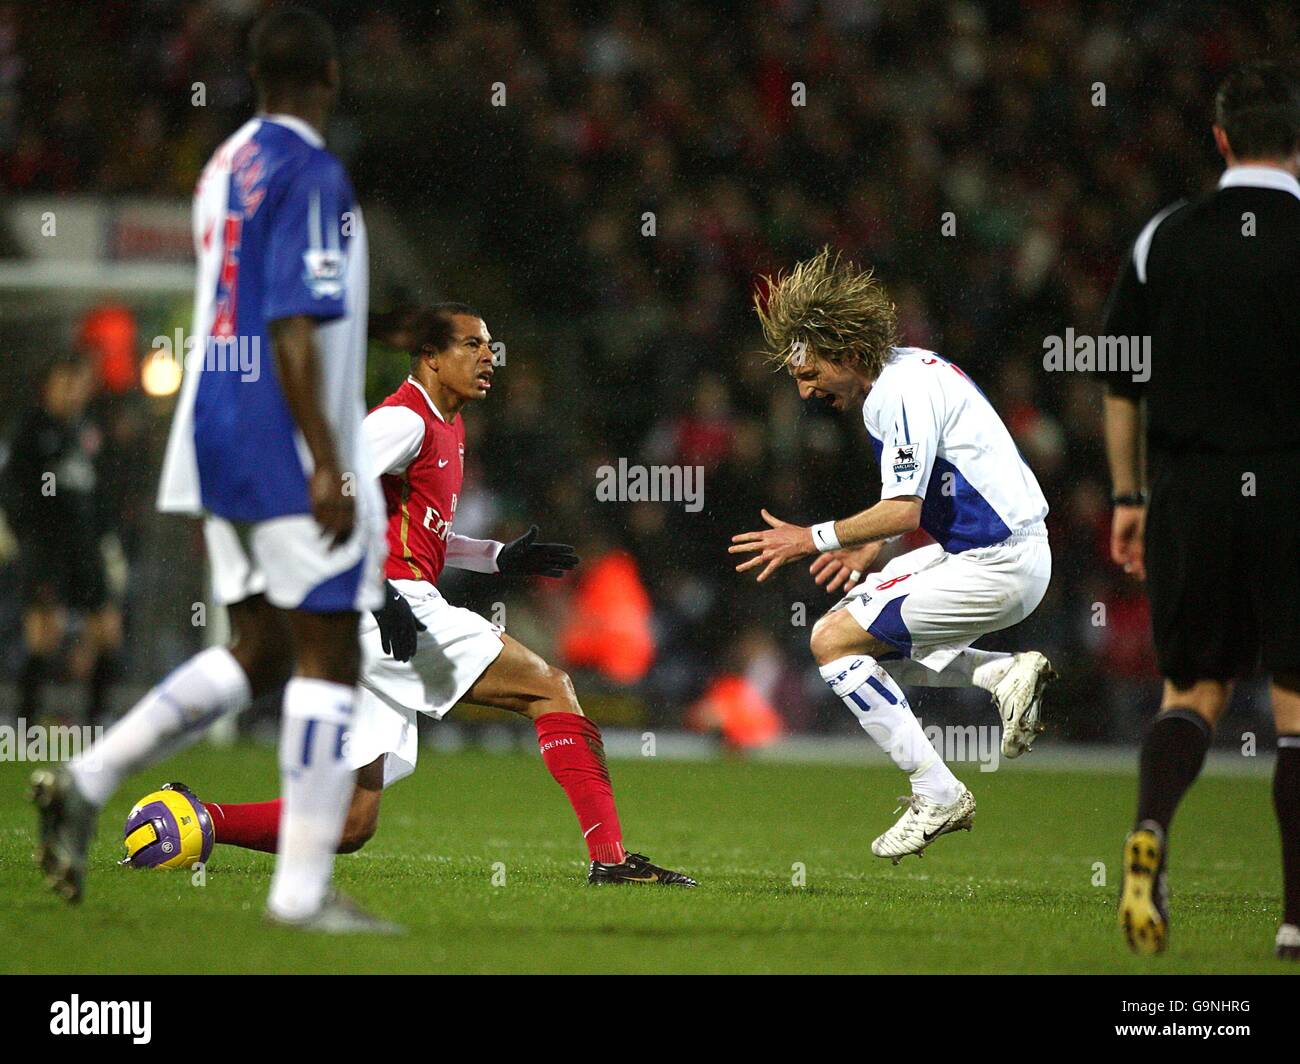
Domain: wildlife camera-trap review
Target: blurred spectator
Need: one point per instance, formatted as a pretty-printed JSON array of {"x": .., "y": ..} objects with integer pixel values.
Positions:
[
  {"x": 54, "y": 510},
  {"x": 609, "y": 628},
  {"x": 739, "y": 702}
]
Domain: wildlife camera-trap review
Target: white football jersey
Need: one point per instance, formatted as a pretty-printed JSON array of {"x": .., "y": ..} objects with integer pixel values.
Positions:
[
  {"x": 277, "y": 233},
  {"x": 938, "y": 437}
]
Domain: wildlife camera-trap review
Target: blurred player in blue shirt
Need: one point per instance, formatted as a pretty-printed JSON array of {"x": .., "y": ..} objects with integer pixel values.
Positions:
[{"x": 266, "y": 446}]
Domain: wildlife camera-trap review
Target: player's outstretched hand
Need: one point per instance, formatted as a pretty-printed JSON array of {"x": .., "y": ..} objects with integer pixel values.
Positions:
[
  {"x": 842, "y": 569},
  {"x": 333, "y": 507},
  {"x": 398, "y": 626},
  {"x": 775, "y": 546},
  {"x": 1127, "y": 537},
  {"x": 526, "y": 557}
]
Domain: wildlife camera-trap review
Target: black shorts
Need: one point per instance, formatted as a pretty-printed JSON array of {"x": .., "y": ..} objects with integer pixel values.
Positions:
[
  {"x": 71, "y": 578},
  {"x": 1223, "y": 565}
]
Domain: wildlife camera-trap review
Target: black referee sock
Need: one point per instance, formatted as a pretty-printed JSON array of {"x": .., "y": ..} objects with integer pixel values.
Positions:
[
  {"x": 1286, "y": 802},
  {"x": 1172, "y": 755},
  {"x": 101, "y": 680},
  {"x": 29, "y": 686}
]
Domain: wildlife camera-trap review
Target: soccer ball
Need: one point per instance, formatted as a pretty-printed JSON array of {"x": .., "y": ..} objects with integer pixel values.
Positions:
[{"x": 167, "y": 829}]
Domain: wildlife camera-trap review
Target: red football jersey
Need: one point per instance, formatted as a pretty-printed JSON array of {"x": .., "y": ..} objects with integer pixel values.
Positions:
[{"x": 421, "y": 502}]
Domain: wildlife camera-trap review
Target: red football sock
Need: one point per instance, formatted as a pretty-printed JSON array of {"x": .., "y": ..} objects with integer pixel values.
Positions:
[
  {"x": 252, "y": 825},
  {"x": 575, "y": 756}
]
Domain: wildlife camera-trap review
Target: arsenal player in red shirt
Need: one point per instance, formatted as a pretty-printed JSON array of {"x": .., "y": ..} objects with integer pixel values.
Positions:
[{"x": 421, "y": 654}]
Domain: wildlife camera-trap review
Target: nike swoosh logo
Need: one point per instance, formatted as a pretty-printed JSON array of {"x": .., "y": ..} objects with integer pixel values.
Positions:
[
  {"x": 592, "y": 828},
  {"x": 930, "y": 836},
  {"x": 442, "y": 462}
]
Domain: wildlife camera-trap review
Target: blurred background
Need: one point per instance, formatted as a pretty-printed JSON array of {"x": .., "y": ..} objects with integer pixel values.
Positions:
[{"x": 606, "y": 182}]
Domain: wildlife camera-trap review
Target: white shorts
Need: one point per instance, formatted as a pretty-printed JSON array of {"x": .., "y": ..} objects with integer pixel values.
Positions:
[
  {"x": 930, "y": 605},
  {"x": 453, "y": 651},
  {"x": 289, "y": 560}
]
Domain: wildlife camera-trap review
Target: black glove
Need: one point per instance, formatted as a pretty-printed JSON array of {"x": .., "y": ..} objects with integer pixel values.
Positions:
[
  {"x": 397, "y": 625},
  {"x": 523, "y": 557}
]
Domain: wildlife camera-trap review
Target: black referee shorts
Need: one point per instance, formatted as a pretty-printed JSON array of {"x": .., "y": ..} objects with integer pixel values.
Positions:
[
  {"x": 1223, "y": 565},
  {"x": 63, "y": 575}
]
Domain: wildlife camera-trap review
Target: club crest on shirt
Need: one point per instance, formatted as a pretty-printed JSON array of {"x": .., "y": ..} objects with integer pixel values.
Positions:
[
  {"x": 907, "y": 460},
  {"x": 323, "y": 272}
]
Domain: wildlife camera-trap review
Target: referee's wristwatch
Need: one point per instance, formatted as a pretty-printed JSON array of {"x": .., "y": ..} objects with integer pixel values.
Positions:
[{"x": 1132, "y": 498}]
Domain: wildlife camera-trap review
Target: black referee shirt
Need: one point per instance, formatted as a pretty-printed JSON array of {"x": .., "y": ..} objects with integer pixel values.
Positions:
[{"x": 1215, "y": 283}]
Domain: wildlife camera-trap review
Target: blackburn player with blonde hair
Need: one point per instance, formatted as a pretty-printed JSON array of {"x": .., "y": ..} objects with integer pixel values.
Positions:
[{"x": 947, "y": 465}]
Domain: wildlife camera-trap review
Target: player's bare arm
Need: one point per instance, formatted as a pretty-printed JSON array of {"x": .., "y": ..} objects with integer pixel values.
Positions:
[
  {"x": 1123, "y": 430},
  {"x": 783, "y": 542},
  {"x": 294, "y": 342}
]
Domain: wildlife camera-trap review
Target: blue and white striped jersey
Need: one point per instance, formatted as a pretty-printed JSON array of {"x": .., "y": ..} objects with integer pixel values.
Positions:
[
  {"x": 277, "y": 233},
  {"x": 936, "y": 436}
]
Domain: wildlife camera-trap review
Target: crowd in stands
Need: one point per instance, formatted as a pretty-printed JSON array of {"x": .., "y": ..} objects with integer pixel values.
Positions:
[{"x": 612, "y": 179}]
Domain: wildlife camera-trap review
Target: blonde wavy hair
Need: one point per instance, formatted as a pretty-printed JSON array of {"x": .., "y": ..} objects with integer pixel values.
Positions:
[{"x": 826, "y": 307}]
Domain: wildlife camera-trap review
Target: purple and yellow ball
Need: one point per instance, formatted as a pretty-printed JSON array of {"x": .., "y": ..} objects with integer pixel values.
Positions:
[{"x": 167, "y": 829}]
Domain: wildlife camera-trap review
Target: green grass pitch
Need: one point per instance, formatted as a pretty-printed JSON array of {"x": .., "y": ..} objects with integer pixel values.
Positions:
[{"x": 1014, "y": 895}]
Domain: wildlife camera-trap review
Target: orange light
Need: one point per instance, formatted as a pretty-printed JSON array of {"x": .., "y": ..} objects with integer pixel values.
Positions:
[{"x": 108, "y": 332}]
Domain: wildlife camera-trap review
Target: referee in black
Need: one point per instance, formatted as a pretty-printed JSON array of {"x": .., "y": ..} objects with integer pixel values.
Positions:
[{"x": 1215, "y": 283}]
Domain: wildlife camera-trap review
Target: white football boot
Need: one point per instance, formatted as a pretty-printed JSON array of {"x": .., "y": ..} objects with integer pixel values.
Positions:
[
  {"x": 922, "y": 822},
  {"x": 338, "y": 915},
  {"x": 1019, "y": 698}
]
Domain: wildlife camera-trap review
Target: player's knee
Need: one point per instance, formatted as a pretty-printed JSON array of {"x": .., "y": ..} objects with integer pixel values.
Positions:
[
  {"x": 354, "y": 838},
  {"x": 266, "y": 665},
  {"x": 560, "y": 691},
  {"x": 1206, "y": 698},
  {"x": 827, "y": 641},
  {"x": 358, "y": 829},
  {"x": 326, "y": 647},
  {"x": 566, "y": 695}
]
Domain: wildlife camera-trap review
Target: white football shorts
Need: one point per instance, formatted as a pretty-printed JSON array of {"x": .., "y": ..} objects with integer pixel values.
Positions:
[
  {"x": 290, "y": 561},
  {"x": 455, "y": 649},
  {"x": 930, "y": 605}
]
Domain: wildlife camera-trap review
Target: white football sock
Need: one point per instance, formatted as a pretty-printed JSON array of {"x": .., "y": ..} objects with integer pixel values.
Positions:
[
  {"x": 170, "y": 717},
  {"x": 970, "y": 668},
  {"x": 990, "y": 672},
  {"x": 882, "y": 710},
  {"x": 316, "y": 790}
]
